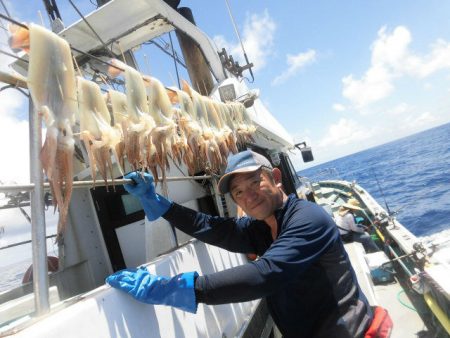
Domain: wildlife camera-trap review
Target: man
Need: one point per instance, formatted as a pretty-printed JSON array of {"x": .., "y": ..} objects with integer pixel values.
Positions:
[
  {"x": 303, "y": 271},
  {"x": 349, "y": 230}
]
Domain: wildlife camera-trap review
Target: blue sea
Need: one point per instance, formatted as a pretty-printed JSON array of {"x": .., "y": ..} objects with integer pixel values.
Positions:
[{"x": 410, "y": 175}]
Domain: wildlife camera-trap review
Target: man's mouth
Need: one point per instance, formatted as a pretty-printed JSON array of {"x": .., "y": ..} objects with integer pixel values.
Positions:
[{"x": 254, "y": 206}]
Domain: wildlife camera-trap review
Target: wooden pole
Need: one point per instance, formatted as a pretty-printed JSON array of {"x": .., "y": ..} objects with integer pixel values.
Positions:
[{"x": 198, "y": 70}]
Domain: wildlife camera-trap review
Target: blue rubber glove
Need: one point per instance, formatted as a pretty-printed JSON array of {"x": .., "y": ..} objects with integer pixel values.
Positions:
[
  {"x": 154, "y": 204},
  {"x": 147, "y": 288}
]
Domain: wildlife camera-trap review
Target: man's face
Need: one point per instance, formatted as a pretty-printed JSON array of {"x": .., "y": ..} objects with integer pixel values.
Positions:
[{"x": 256, "y": 193}]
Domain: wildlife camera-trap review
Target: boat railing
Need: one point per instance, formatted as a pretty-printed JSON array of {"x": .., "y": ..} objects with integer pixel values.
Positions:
[{"x": 326, "y": 173}]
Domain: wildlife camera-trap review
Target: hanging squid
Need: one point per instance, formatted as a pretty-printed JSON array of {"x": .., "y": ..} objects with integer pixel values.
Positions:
[
  {"x": 99, "y": 137},
  {"x": 51, "y": 81}
]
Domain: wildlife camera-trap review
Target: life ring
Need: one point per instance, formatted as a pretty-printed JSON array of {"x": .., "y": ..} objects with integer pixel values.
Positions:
[{"x": 52, "y": 266}]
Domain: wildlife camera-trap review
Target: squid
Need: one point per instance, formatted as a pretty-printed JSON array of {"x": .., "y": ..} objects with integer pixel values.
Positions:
[
  {"x": 51, "y": 81},
  {"x": 138, "y": 125},
  {"x": 165, "y": 129},
  {"x": 118, "y": 103},
  {"x": 227, "y": 127},
  {"x": 19, "y": 38},
  {"x": 218, "y": 127},
  {"x": 190, "y": 130},
  {"x": 99, "y": 137},
  {"x": 209, "y": 149},
  {"x": 244, "y": 125}
]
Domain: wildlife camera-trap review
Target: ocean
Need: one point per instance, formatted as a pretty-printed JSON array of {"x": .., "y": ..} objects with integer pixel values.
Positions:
[
  {"x": 410, "y": 175},
  {"x": 14, "y": 261}
]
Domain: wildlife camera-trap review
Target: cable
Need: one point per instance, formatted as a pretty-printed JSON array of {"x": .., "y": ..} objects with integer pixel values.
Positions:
[
  {"x": 176, "y": 57},
  {"x": 6, "y": 9},
  {"x": 404, "y": 304},
  {"x": 174, "y": 61},
  {"x": 92, "y": 29},
  {"x": 13, "y": 56}
]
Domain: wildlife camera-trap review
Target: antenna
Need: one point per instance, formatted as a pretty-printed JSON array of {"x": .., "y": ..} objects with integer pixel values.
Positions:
[{"x": 248, "y": 65}]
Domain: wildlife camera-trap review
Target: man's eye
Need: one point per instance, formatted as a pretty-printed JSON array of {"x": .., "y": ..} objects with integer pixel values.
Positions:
[
  {"x": 237, "y": 193},
  {"x": 255, "y": 184}
]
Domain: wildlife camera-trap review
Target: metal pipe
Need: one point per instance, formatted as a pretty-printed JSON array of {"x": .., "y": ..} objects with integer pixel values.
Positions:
[
  {"x": 39, "y": 242},
  {"x": 17, "y": 187},
  {"x": 399, "y": 260},
  {"x": 22, "y": 243},
  {"x": 98, "y": 183},
  {"x": 13, "y": 80}
]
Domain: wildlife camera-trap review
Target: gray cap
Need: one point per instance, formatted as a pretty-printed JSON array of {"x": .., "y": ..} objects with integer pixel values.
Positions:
[{"x": 243, "y": 162}]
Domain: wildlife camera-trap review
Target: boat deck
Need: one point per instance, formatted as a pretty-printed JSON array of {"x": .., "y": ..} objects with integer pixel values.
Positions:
[{"x": 407, "y": 322}]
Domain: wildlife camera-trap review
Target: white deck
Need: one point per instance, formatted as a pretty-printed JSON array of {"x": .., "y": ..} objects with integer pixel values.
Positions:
[{"x": 407, "y": 323}]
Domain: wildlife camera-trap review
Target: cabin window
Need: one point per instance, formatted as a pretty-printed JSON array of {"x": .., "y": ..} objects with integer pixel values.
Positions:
[
  {"x": 293, "y": 172},
  {"x": 291, "y": 181},
  {"x": 130, "y": 204},
  {"x": 227, "y": 93}
]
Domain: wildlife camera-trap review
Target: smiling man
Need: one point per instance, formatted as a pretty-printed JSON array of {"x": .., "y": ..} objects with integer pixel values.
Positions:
[{"x": 303, "y": 270}]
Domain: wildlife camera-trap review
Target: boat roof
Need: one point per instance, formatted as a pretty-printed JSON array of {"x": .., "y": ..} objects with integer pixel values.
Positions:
[{"x": 139, "y": 21}]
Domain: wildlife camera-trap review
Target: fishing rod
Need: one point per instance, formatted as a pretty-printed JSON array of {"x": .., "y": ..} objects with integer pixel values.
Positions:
[{"x": 382, "y": 193}]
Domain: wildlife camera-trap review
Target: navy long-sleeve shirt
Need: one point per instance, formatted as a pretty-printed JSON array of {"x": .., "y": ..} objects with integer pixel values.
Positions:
[{"x": 304, "y": 274}]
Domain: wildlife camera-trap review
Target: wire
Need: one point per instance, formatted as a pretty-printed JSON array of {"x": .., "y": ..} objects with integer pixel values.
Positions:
[
  {"x": 13, "y": 56},
  {"x": 71, "y": 47},
  {"x": 14, "y": 87},
  {"x": 6, "y": 9},
  {"x": 92, "y": 29},
  {"x": 176, "y": 57},
  {"x": 175, "y": 61}
]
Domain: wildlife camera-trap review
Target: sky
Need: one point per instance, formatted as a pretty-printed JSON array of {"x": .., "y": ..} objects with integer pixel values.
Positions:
[{"x": 343, "y": 76}]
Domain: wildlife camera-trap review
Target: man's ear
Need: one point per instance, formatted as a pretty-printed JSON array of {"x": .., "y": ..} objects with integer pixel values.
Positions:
[{"x": 277, "y": 175}]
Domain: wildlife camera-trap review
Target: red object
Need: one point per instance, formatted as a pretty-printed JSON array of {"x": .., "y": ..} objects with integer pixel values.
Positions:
[
  {"x": 381, "y": 326},
  {"x": 52, "y": 266},
  {"x": 252, "y": 256}
]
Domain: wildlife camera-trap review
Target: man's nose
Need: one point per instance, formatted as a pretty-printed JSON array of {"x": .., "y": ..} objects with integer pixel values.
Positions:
[{"x": 250, "y": 194}]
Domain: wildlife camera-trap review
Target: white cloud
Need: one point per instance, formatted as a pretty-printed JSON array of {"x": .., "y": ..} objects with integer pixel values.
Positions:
[
  {"x": 13, "y": 139},
  {"x": 374, "y": 86},
  {"x": 295, "y": 63},
  {"x": 13, "y": 132},
  {"x": 344, "y": 132},
  {"x": 257, "y": 37},
  {"x": 338, "y": 107},
  {"x": 439, "y": 58},
  {"x": 391, "y": 59},
  {"x": 400, "y": 109},
  {"x": 422, "y": 121}
]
